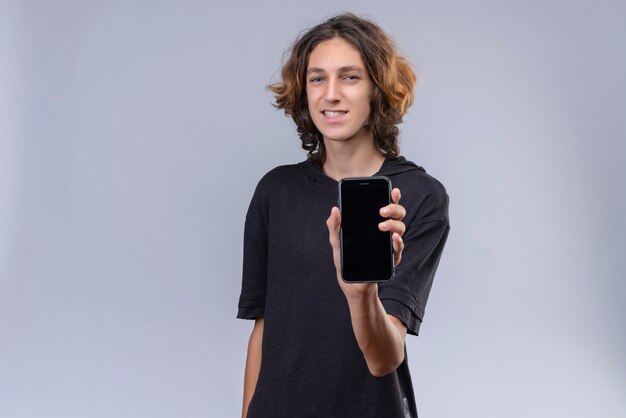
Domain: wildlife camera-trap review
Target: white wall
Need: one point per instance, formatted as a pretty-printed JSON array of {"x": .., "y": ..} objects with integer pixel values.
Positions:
[{"x": 133, "y": 133}]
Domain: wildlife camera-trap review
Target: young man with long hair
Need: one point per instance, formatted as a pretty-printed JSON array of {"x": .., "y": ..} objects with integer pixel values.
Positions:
[{"x": 321, "y": 347}]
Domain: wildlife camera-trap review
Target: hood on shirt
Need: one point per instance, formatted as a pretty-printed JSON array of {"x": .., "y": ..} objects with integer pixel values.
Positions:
[{"x": 389, "y": 168}]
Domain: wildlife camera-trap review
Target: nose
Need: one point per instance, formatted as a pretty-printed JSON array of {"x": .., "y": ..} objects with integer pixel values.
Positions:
[{"x": 332, "y": 91}]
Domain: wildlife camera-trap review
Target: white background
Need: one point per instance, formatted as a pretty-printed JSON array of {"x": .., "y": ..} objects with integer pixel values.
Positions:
[{"x": 132, "y": 134}]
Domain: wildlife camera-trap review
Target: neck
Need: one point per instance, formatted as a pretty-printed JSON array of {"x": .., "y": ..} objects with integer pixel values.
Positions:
[{"x": 344, "y": 160}]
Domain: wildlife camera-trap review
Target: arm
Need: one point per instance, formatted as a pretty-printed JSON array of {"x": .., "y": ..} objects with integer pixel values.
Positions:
[
  {"x": 253, "y": 364},
  {"x": 380, "y": 336}
]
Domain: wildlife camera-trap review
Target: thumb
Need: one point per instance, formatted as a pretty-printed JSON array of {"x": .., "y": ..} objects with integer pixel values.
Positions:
[{"x": 334, "y": 223}]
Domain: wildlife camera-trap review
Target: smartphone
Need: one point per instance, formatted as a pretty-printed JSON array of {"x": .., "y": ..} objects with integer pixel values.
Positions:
[{"x": 366, "y": 251}]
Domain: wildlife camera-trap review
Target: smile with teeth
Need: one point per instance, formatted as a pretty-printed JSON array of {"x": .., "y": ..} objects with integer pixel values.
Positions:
[{"x": 334, "y": 113}]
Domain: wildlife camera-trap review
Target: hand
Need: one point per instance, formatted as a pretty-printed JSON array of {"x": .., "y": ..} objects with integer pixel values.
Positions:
[{"x": 396, "y": 213}]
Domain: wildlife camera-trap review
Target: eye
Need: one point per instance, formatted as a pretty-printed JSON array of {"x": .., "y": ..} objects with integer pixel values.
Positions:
[
  {"x": 351, "y": 77},
  {"x": 315, "y": 80}
]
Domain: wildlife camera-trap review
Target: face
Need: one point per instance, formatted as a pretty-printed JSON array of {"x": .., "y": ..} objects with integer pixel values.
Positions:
[{"x": 338, "y": 91}]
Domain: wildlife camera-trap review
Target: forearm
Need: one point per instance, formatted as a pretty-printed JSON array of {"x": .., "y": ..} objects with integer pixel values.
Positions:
[
  {"x": 253, "y": 364},
  {"x": 380, "y": 336}
]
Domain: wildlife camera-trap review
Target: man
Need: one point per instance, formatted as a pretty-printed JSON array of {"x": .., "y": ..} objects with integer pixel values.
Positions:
[{"x": 322, "y": 347}]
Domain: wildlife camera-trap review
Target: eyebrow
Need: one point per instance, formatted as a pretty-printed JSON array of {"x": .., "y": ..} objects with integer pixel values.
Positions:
[{"x": 341, "y": 69}]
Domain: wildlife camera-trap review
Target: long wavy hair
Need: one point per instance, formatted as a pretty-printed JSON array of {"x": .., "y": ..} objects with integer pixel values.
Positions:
[{"x": 391, "y": 74}]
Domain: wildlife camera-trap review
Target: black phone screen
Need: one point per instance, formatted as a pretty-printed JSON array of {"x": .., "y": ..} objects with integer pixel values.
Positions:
[{"x": 366, "y": 251}]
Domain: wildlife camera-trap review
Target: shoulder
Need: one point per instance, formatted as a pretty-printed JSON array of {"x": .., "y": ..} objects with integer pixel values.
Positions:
[
  {"x": 426, "y": 183},
  {"x": 411, "y": 177},
  {"x": 426, "y": 195},
  {"x": 277, "y": 177},
  {"x": 269, "y": 186}
]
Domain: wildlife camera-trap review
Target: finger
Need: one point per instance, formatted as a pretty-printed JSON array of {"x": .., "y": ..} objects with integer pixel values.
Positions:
[
  {"x": 398, "y": 248},
  {"x": 393, "y": 211},
  {"x": 395, "y": 195},
  {"x": 390, "y": 225}
]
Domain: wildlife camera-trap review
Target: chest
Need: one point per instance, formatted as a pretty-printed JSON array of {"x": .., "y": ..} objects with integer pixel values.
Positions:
[{"x": 299, "y": 254}]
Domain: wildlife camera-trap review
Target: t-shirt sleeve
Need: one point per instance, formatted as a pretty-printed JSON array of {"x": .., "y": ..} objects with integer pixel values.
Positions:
[
  {"x": 254, "y": 277},
  {"x": 406, "y": 294}
]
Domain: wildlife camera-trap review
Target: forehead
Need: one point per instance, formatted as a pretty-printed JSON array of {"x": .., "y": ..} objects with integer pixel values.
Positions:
[{"x": 335, "y": 53}]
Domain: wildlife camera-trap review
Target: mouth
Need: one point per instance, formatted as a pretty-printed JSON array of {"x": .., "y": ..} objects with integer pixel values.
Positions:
[{"x": 334, "y": 113}]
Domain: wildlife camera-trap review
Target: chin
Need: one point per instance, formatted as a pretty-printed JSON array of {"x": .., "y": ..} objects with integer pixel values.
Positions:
[{"x": 336, "y": 138}]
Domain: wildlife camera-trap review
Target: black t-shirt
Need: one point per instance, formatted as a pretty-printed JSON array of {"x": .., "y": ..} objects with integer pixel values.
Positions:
[{"x": 311, "y": 364}]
